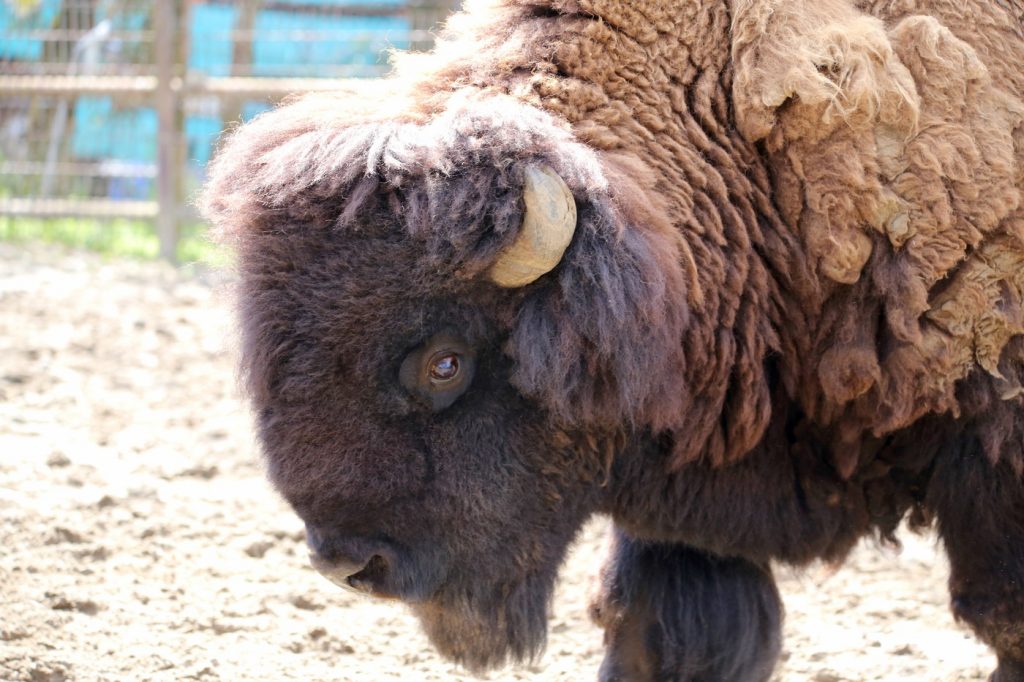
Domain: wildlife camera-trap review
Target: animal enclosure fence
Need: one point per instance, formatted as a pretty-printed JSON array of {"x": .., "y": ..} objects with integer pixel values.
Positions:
[{"x": 110, "y": 108}]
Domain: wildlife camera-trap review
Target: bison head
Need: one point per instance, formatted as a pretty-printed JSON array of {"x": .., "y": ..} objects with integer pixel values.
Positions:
[{"x": 448, "y": 321}]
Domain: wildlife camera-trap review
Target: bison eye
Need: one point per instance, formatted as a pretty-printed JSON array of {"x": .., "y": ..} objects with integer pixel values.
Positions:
[
  {"x": 439, "y": 371},
  {"x": 444, "y": 367}
]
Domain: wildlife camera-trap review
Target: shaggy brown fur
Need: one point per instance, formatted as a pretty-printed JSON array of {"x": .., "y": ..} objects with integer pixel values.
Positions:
[
  {"x": 796, "y": 283},
  {"x": 887, "y": 130}
]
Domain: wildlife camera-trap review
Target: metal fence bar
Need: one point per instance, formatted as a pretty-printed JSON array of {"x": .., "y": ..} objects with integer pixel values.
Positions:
[
  {"x": 76, "y": 85},
  {"x": 74, "y": 208},
  {"x": 241, "y": 86},
  {"x": 165, "y": 23}
]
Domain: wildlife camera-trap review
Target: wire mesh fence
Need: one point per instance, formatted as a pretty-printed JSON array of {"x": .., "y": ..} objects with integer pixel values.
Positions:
[{"x": 111, "y": 108}]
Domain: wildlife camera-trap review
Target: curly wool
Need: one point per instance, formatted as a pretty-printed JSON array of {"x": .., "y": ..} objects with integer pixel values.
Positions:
[
  {"x": 835, "y": 185},
  {"x": 878, "y": 247}
]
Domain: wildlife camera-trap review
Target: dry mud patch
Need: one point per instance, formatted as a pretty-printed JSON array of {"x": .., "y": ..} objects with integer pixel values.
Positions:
[{"x": 139, "y": 540}]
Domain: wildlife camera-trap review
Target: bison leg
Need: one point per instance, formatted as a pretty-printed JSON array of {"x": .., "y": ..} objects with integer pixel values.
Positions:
[
  {"x": 672, "y": 613},
  {"x": 980, "y": 511}
]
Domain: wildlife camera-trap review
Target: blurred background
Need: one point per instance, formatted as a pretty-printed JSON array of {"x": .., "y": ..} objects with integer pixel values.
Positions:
[{"x": 110, "y": 109}]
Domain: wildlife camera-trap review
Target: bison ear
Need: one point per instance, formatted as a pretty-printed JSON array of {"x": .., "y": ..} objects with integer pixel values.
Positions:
[{"x": 600, "y": 344}]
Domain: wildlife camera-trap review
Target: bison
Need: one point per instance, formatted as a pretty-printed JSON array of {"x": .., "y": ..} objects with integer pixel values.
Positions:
[{"x": 744, "y": 275}]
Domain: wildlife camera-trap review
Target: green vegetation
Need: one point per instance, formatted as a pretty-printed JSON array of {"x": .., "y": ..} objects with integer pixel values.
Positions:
[{"x": 115, "y": 238}]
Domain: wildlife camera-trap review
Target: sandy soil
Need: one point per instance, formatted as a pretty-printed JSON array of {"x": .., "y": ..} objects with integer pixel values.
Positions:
[{"x": 139, "y": 540}]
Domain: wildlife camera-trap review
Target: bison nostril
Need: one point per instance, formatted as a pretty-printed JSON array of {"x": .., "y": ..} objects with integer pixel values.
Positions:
[
  {"x": 366, "y": 577},
  {"x": 364, "y": 564},
  {"x": 337, "y": 571},
  {"x": 371, "y": 577}
]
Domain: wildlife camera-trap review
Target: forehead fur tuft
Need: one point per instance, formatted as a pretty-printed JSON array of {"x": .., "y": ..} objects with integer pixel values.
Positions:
[{"x": 319, "y": 150}]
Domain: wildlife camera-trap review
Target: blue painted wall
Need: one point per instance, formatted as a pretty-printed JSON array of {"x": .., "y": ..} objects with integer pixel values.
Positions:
[
  {"x": 331, "y": 46},
  {"x": 349, "y": 46},
  {"x": 17, "y": 18}
]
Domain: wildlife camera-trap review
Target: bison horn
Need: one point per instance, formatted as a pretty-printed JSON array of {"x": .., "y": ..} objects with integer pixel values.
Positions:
[{"x": 548, "y": 225}]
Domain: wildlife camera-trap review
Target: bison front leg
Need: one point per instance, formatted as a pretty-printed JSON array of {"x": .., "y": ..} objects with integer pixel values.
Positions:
[
  {"x": 980, "y": 511},
  {"x": 673, "y": 613}
]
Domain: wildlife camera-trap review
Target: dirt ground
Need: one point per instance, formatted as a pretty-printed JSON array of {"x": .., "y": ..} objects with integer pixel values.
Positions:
[{"x": 139, "y": 540}]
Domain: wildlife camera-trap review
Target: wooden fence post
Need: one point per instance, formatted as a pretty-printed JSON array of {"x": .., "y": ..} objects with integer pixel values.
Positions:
[
  {"x": 165, "y": 24},
  {"x": 425, "y": 16}
]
